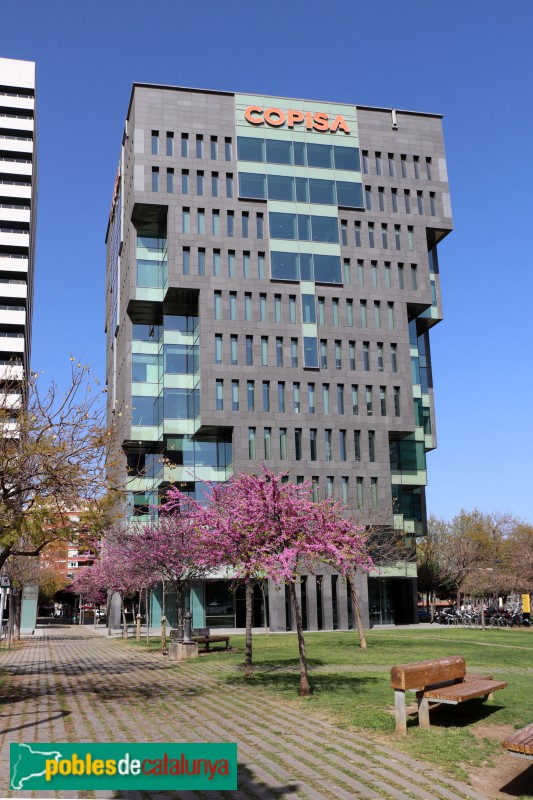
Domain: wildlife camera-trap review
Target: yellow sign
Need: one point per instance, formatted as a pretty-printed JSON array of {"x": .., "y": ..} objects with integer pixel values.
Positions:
[{"x": 526, "y": 604}]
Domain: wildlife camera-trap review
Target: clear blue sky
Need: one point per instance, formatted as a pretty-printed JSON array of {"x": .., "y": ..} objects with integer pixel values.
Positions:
[{"x": 470, "y": 61}]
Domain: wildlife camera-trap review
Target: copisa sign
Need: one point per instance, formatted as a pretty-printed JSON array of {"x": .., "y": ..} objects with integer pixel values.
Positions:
[{"x": 313, "y": 121}]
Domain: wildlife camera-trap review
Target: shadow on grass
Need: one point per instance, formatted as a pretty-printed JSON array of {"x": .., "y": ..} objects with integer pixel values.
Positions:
[
  {"x": 285, "y": 682},
  {"x": 461, "y": 716},
  {"x": 522, "y": 785}
]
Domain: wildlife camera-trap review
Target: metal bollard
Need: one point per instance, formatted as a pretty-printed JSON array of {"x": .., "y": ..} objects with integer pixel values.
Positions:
[{"x": 187, "y": 627}]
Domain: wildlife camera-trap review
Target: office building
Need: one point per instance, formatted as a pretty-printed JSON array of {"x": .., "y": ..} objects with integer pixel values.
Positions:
[
  {"x": 272, "y": 278},
  {"x": 18, "y": 204}
]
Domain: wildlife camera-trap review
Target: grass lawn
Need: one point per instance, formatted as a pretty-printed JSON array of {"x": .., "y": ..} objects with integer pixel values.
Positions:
[{"x": 351, "y": 687}]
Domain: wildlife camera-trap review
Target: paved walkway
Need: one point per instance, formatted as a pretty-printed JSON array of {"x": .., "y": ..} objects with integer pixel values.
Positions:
[{"x": 70, "y": 684}]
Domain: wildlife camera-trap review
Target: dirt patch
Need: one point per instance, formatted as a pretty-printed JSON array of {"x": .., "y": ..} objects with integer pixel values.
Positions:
[{"x": 508, "y": 777}]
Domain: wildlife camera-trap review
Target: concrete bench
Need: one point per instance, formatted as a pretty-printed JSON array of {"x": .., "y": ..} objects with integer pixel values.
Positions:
[
  {"x": 442, "y": 680},
  {"x": 520, "y": 744}
]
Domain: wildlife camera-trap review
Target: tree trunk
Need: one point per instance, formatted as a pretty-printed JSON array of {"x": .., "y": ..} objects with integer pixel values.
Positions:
[
  {"x": 357, "y": 611},
  {"x": 123, "y": 609},
  {"x": 163, "y": 621},
  {"x": 17, "y": 609},
  {"x": 305, "y": 689},
  {"x": 147, "y": 618},
  {"x": 10, "y": 621},
  {"x": 433, "y": 604},
  {"x": 264, "y": 592},
  {"x": 179, "y": 608},
  {"x": 248, "y": 668}
]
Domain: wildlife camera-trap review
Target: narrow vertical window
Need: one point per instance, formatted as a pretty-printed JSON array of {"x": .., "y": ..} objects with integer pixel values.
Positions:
[
  {"x": 349, "y": 313},
  {"x": 325, "y": 397},
  {"x": 230, "y": 221},
  {"x": 387, "y": 275},
  {"x": 346, "y": 270},
  {"x": 384, "y": 241},
  {"x": 374, "y": 493},
  {"x": 312, "y": 444},
  {"x": 381, "y": 198},
  {"x": 214, "y": 184},
  {"x": 355, "y": 399},
  {"x": 360, "y": 493},
  {"x": 214, "y": 148},
  {"x": 155, "y": 143},
  {"x": 403, "y": 162},
  {"x": 218, "y": 348},
  {"x": 220, "y": 395},
  {"x": 428, "y": 168},
  {"x": 294, "y": 352},
  {"x": 357, "y": 445},
  {"x": 233, "y": 305},
  {"x": 246, "y": 265},
  {"x": 352, "y": 355},
  {"x": 420, "y": 202},
  {"x": 249, "y": 351},
  {"x": 281, "y": 397},
  {"x": 338, "y": 356},
  {"x": 327, "y": 444},
  {"x": 378, "y": 163},
  {"x": 366, "y": 356},
  {"x": 401, "y": 283},
  {"x": 298, "y": 444},
  {"x": 391, "y": 165},
  {"x": 368, "y": 198},
  {"x": 251, "y": 443},
  {"x": 218, "y": 304},
  {"x": 250, "y": 395},
  {"x": 432, "y": 209},
  {"x": 283, "y": 444},
  {"x": 186, "y": 262},
  {"x": 364, "y": 321},
  {"x": 360, "y": 273},
  {"x": 185, "y": 181},
  {"x": 266, "y": 396},
  {"x": 323, "y": 354},
  {"x": 345, "y": 491},
  {"x": 344, "y": 232},
  {"x": 277, "y": 308},
  {"x": 292, "y": 309},
  {"x": 335, "y": 307},
  {"x": 371, "y": 234},
  {"x": 397, "y": 237},
  {"x": 170, "y": 143},
  {"x": 394, "y": 200},
  {"x": 184, "y": 145},
  {"x": 296, "y": 397},
  {"x": 231, "y": 263},
  {"x": 340, "y": 398},
  {"x": 357, "y": 228},
  {"x": 279, "y": 351},
  {"x": 383, "y": 400},
  {"x": 248, "y": 306},
  {"x": 267, "y": 437},
  {"x": 410, "y": 238},
  {"x": 199, "y": 145},
  {"x": 379, "y": 348},
  {"x": 342, "y": 445},
  {"x": 321, "y": 311},
  {"x": 201, "y": 221},
  {"x": 170, "y": 181},
  {"x": 215, "y": 223},
  {"x": 227, "y": 149},
  {"x": 416, "y": 165},
  {"x": 414, "y": 281},
  {"x": 234, "y": 348},
  {"x": 263, "y": 307},
  {"x": 377, "y": 314},
  {"x": 397, "y": 410},
  {"x": 369, "y": 401},
  {"x": 311, "y": 397},
  {"x": 390, "y": 312},
  {"x": 371, "y": 446},
  {"x": 235, "y": 395},
  {"x": 259, "y": 219},
  {"x": 264, "y": 351},
  {"x": 245, "y": 224},
  {"x": 374, "y": 273},
  {"x": 407, "y": 200},
  {"x": 201, "y": 261},
  {"x": 229, "y": 185},
  {"x": 155, "y": 179},
  {"x": 199, "y": 183},
  {"x": 394, "y": 357},
  {"x": 365, "y": 161}
]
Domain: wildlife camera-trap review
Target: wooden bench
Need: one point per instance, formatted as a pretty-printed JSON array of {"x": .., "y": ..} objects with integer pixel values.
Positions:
[
  {"x": 520, "y": 744},
  {"x": 207, "y": 640},
  {"x": 441, "y": 680}
]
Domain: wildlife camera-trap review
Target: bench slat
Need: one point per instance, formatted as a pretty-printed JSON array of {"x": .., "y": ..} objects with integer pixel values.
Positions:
[
  {"x": 465, "y": 691},
  {"x": 521, "y": 741},
  {"x": 426, "y": 673}
]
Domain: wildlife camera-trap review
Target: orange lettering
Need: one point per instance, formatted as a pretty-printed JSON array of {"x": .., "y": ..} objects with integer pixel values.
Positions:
[
  {"x": 256, "y": 111},
  {"x": 293, "y": 117},
  {"x": 320, "y": 122},
  {"x": 308, "y": 120},
  {"x": 274, "y": 117},
  {"x": 339, "y": 123}
]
